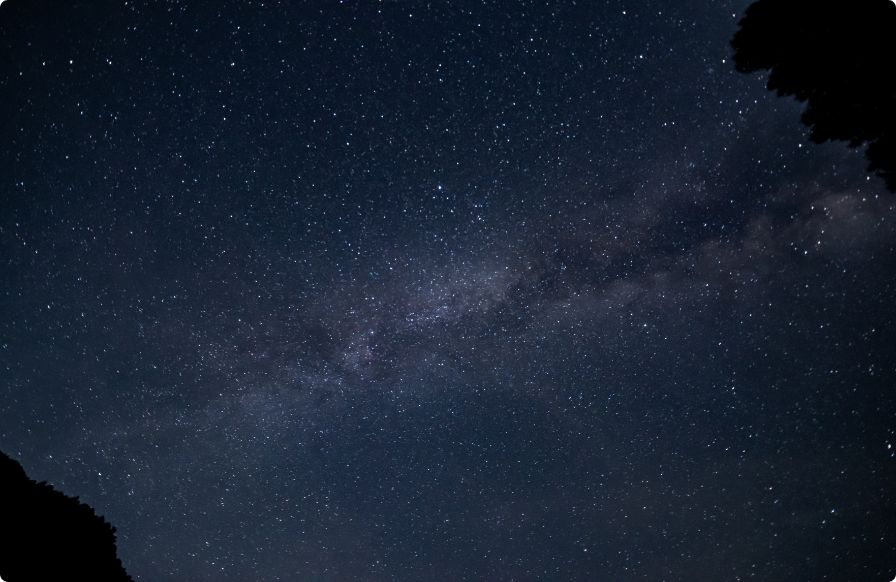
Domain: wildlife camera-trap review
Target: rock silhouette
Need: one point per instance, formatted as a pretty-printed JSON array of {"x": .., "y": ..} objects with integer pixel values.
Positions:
[
  {"x": 47, "y": 535},
  {"x": 838, "y": 58}
]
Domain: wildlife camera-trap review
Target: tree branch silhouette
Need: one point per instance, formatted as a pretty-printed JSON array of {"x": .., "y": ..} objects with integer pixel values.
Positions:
[
  {"x": 838, "y": 57},
  {"x": 47, "y": 535}
]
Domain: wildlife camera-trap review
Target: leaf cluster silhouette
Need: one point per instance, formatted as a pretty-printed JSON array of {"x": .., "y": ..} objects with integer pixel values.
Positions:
[
  {"x": 838, "y": 57},
  {"x": 47, "y": 535}
]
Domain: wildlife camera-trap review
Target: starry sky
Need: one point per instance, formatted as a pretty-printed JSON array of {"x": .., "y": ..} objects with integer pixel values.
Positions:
[{"x": 404, "y": 290}]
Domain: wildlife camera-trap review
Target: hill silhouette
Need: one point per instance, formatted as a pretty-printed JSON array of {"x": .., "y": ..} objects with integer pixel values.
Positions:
[
  {"x": 47, "y": 535},
  {"x": 838, "y": 58}
]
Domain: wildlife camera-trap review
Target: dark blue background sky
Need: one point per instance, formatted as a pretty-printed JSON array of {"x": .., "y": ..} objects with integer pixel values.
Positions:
[{"x": 440, "y": 291}]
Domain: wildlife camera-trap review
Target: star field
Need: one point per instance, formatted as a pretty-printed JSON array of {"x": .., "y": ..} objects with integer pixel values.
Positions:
[{"x": 402, "y": 290}]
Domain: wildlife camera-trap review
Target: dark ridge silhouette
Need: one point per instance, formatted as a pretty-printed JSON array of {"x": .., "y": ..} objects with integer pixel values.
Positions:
[
  {"x": 46, "y": 535},
  {"x": 838, "y": 57}
]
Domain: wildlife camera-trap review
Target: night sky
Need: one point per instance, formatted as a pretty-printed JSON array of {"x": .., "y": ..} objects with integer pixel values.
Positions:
[{"x": 405, "y": 290}]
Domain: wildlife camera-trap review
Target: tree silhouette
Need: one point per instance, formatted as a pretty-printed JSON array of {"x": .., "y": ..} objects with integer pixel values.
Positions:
[
  {"x": 838, "y": 57},
  {"x": 47, "y": 535}
]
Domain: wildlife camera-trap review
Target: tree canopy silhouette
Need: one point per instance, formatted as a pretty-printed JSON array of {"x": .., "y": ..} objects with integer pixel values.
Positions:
[
  {"x": 47, "y": 535},
  {"x": 838, "y": 57}
]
